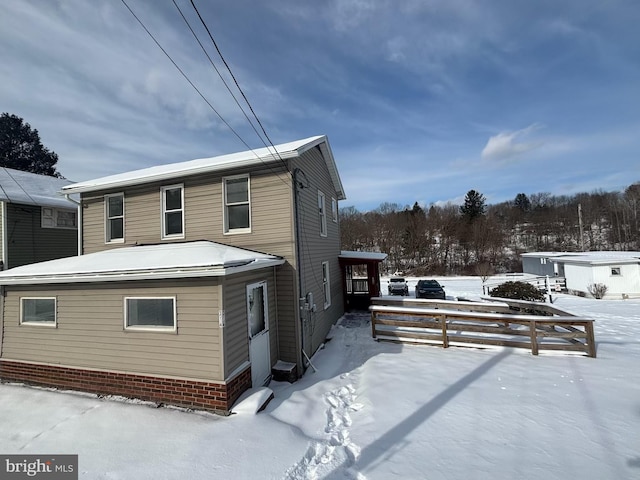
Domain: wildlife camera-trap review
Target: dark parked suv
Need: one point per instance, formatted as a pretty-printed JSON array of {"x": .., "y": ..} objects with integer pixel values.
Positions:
[{"x": 429, "y": 289}]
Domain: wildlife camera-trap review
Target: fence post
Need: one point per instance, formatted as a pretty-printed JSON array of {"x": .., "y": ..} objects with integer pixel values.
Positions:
[
  {"x": 534, "y": 337},
  {"x": 373, "y": 324},
  {"x": 445, "y": 337}
]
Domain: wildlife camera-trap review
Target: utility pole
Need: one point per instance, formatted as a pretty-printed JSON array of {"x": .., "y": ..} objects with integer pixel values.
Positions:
[{"x": 580, "y": 223}]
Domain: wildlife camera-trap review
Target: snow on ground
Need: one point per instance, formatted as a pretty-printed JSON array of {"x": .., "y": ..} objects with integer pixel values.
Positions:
[{"x": 375, "y": 411}]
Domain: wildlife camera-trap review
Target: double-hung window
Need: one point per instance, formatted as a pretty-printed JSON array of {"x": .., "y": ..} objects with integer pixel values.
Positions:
[
  {"x": 38, "y": 311},
  {"x": 150, "y": 313},
  {"x": 326, "y": 285},
  {"x": 114, "y": 214},
  {"x": 172, "y": 211},
  {"x": 322, "y": 211},
  {"x": 237, "y": 204},
  {"x": 334, "y": 210}
]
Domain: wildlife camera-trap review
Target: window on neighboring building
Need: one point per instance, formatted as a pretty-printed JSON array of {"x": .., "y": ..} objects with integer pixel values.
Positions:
[
  {"x": 114, "y": 212},
  {"x": 326, "y": 286},
  {"x": 173, "y": 211},
  {"x": 334, "y": 209},
  {"x": 323, "y": 214},
  {"x": 155, "y": 313},
  {"x": 237, "y": 205},
  {"x": 38, "y": 311},
  {"x": 58, "y": 218},
  {"x": 615, "y": 271}
]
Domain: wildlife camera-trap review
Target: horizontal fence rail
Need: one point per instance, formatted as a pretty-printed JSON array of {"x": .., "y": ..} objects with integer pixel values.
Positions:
[{"x": 444, "y": 326}]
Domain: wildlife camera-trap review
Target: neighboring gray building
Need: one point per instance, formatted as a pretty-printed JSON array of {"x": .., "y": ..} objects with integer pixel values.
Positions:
[
  {"x": 542, "y": 264},
  {"x": 37, "y": 223}
]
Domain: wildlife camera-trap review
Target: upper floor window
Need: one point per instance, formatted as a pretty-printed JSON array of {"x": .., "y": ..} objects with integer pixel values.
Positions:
[
  {"x": 323, "y": 214},
  {"x": 237, "y": 205},
  {"x": 114, "y": 213},
  {"x": 58, "y": 218},
  {"x": 326, "y": 285},
  {"x": 334, "y": 209},
  {"x": 172, "y": 211}
]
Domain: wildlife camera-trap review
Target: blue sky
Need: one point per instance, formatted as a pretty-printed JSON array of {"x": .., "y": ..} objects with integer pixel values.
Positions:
[{"x": 422, "y": 100}]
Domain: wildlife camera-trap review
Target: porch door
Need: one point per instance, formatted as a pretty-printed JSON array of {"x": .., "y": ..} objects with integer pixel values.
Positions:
[{"x": 258, "y": 313}]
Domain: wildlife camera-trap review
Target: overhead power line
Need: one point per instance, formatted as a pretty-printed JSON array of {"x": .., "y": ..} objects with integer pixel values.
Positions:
[
  {"x": 207, "y": 101},
  {"x": 215, "y": 44}
]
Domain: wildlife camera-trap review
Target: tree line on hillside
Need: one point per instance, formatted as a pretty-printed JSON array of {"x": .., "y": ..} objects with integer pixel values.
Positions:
[{"x": 480, "y": 239}]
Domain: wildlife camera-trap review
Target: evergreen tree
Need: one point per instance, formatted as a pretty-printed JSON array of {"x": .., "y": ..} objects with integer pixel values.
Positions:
[
  {"x": 522, "y": 203},
  {"x": 474, "y": 205},
  {"x": 21, "y": 149}
]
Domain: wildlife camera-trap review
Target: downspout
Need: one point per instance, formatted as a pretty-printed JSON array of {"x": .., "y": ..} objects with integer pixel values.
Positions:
[
  {"x": 296, "y": 205},
  {"x": 79, "y": 204},
  {"x": 5, "y": 239}
]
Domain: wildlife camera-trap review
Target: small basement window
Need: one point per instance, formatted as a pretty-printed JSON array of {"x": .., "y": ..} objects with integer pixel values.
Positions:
[
  {"x": 615, "y": 271},
  {"x": 150, "y": 313},
  {"x": 38, "y": 311}
]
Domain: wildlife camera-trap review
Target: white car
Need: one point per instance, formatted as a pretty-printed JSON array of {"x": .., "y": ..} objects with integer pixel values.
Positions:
[{"x": 398, "y": 286}]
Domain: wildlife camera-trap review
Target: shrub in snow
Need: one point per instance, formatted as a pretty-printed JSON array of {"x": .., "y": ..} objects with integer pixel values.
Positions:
[
  {"x": 597, "y": 290},
  {"x": 518, "y": 291}
]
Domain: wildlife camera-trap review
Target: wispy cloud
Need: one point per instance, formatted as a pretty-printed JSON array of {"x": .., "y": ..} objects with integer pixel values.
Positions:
[{"x": 507, "y": 145}]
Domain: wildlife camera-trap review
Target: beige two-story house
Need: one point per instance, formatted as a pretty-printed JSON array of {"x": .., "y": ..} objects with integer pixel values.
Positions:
[{"x": 194, "y": 280}]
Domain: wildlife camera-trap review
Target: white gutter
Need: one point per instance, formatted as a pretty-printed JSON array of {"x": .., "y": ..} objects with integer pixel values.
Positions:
[
  {"x": 5, "y": 239},
  {"x": 155, "y": 274},
  {"x": 79, "y": 220}
]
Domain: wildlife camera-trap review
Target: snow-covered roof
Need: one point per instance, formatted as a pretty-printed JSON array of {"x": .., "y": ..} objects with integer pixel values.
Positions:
[
  {"x": 603, "y": 257},
  {"x": 599, "y": 258},
  {"x": 28, "y": 188},
  {"x": 248, "y": 158},
  {"x": 363, "y": 255},
  {"x": 547, "y": 254},
  {"x": 143, "y": 262}
]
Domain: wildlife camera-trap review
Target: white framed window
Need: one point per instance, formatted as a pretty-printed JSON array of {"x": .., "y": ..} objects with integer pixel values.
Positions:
[
  {"x": 334, "y": 210},
  {"x": 236, "y": 195},
  {"x": 322, "y": 211},
  {"x": 114, "y": 218},
  {"x": 59, "y": 218},
  {"x": 150, "y": 313},
  {"x": 38, "y": 311},
  {"x": 326, "y": 285},
  {"x": 172, "y": 211},
  {"x": 615, "y": 271}
]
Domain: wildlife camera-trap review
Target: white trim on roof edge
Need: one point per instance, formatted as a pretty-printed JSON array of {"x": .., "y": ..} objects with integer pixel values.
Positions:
[
  {"x": 215, "y": 164},
  {"x": 157, "y": 274}
]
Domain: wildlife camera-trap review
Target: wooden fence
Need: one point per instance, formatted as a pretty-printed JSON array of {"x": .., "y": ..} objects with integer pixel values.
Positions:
[{"x": 441, "y": 323}]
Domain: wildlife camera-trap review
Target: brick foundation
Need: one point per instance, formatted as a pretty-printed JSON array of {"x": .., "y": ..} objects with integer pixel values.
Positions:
[{"x": 216, "y": 397}]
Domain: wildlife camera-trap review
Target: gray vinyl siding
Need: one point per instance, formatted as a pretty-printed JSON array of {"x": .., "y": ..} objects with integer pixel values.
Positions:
[
  {"x": 535, "y": 266},
  {"x": 90, "y": 329},
  {"x": 317, "y": 249},
  {"x": 236, "y": 330},
  {"x": 28, "y": 242}
]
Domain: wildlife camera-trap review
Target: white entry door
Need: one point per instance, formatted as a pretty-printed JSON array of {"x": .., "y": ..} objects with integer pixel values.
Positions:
[{"x": 258, "y": 313}]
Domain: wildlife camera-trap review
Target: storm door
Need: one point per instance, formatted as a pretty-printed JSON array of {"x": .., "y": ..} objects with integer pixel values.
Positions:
[{"x": 258, "y": 316}]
